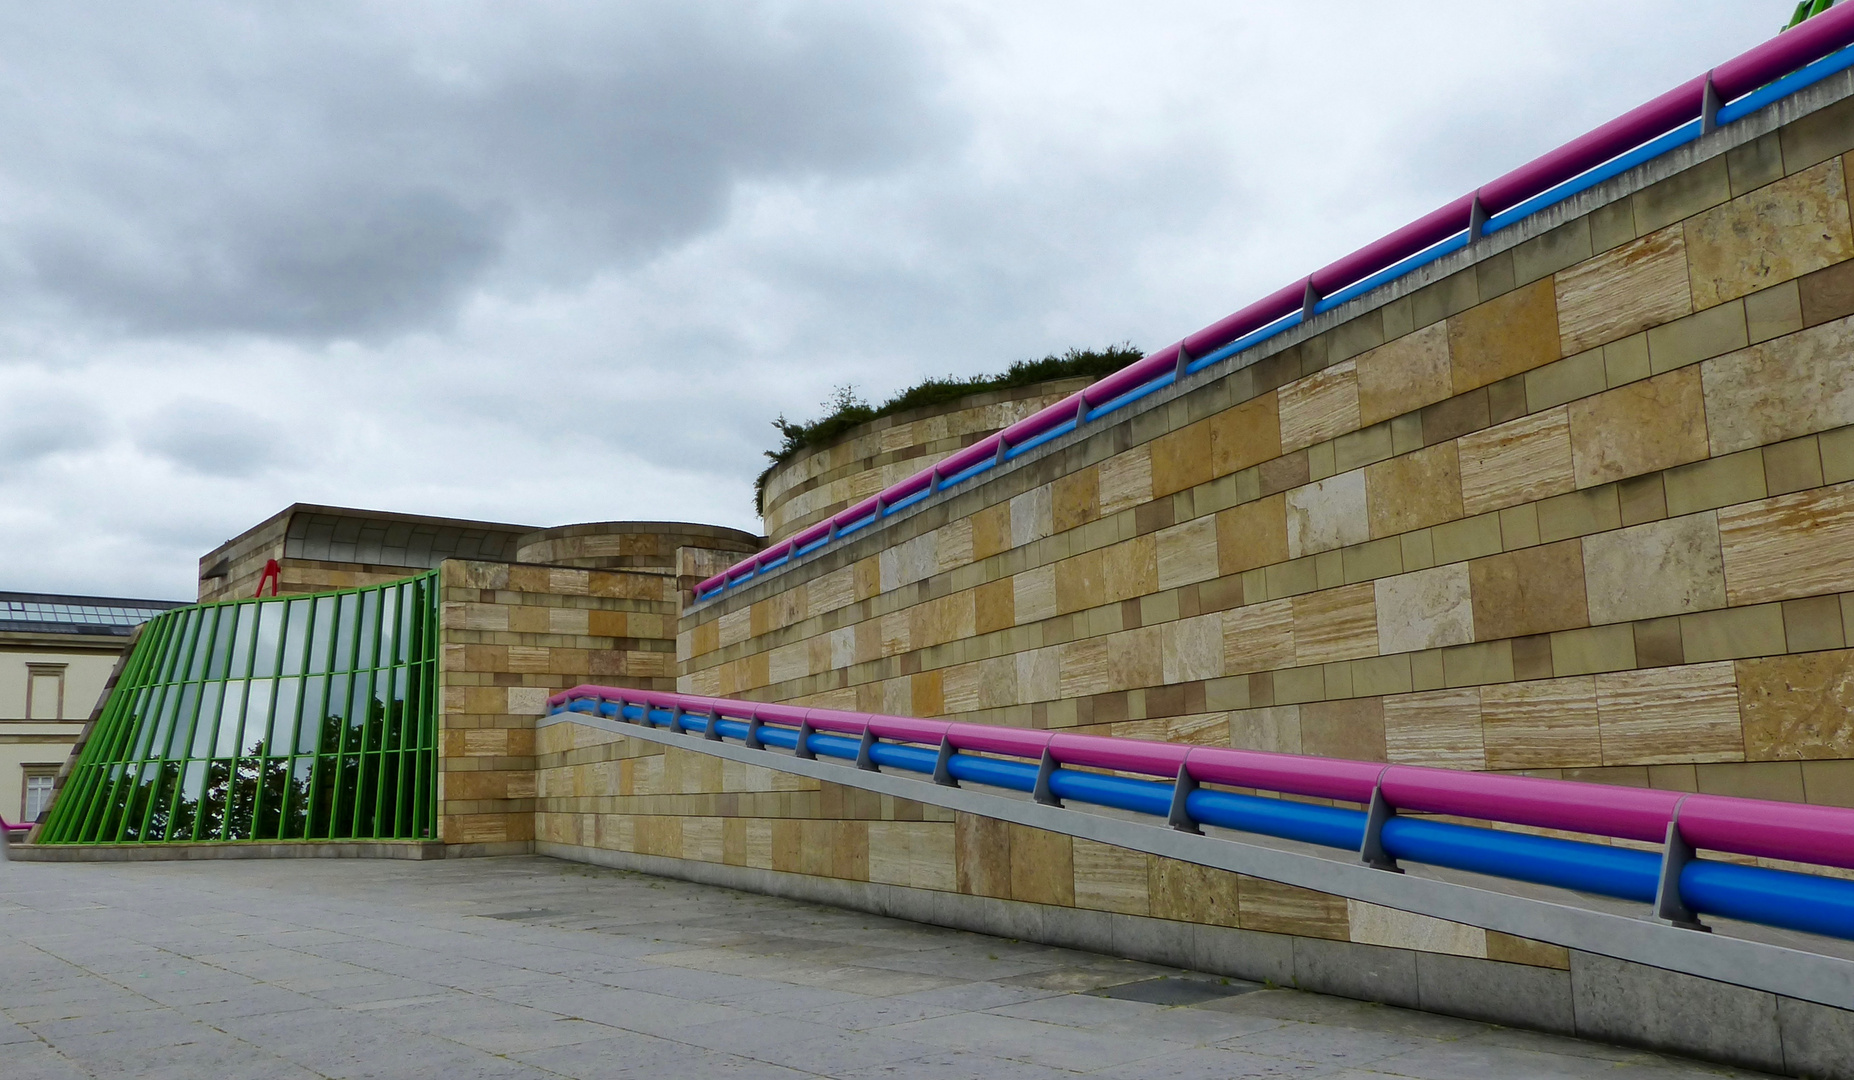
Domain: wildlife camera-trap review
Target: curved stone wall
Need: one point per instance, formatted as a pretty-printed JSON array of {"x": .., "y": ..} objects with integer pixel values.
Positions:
[
  {"x": 613, "y": 545},
  {"x": 1577, "y": 501},
  {"x": 823, "y": 480}
]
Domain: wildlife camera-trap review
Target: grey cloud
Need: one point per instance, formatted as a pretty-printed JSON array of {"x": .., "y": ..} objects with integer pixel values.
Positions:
[
  {"x": 339, "y": 182},
  {"x": 35, "y": 424},
  {"x": 211, "y": 439}
]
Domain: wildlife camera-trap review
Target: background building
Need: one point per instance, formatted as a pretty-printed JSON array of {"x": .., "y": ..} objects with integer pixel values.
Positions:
[{"x": 56, "y": 653}]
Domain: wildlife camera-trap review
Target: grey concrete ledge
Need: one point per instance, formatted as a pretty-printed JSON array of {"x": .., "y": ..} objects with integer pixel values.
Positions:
[
  {"x": 1599, "y": 998},
  {"x": 234, "y": 849},
  {"x": 1755, "y": 965}
]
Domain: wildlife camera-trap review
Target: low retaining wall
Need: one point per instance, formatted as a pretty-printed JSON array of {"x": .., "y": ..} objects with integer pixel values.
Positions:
[
  {"x": 643, "y": 799},
  {"x": 298, "y": 849}
]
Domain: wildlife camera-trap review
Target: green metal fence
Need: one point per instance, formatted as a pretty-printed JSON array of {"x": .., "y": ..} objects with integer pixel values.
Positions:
[{"x": 285, "y": 718}]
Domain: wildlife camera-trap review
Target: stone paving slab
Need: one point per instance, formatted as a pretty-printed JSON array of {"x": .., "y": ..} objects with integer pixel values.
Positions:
[{"x": 529, "y": 968}]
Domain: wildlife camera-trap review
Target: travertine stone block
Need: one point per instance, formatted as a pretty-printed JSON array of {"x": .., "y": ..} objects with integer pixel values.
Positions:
[
  {"x": 1125, "y": 480},
  {"x": 1129, "y": 569},
  {"x": 1530, "y": 591},
  {"x": 982, "y": 853},
  {"x": 1519, "y": 461},
  {"x": 1720, "y": 481},
  {"x": 1032, "y": 516},
  {"x": 1441, "y": 728},
  {"x": 1191, "y": 893},
  {"x": 1599, "y": 648},
  {"x": 1083, "y": 668},
  {"x": 1335, "y": 624},
  {"x": 1275, "y": 728},
  {"x": 1813, "y": 624},
  {"x": 1246, "y": 435},
  {"x": 1682, "y": 195},
  {"x": 1404, "y": 375},
  {"x": 994, "y": 606},
  {"x": 1414, "y": 491},
  {"x": 1362, "y": 447},
  {"x": 1252, "y": 534},
  {"x": 1321, "y": 406},
  {"x": 1829, "y": 783},
  {"x": 1566, "y": 245},
  {"x": 1639, "y": 428},
  {"x": 1478, "y": 664},
  {"x": 1471, "y": 538},
  {"x": 1756, "y": 163},
  {"x": 1034, "y": 594},
  {"x": 1667, "y": 567},
  {"x": 1626, "y": 360},
  {"x": 1374, "y": 925},
  {"x": 1730, "y": 633},
  {"x": 1837, "y": 455},
  {"x": 1187, "y": 553},
  {"x": 1772, "y": 234},
  {"x": 1428, "y": 609},
  {"x": 1181, "y": 459},
  {"x": 1666, "y": 715},
  {"x": 1789, "y": 545},
  {"x": 1258, "y": 637},
  {"x": 1295, "y": 685},
  {"x": 1640, "y": 284},
  {"x": 1793, "y": 466},
  {"x": 1328, "y": 514},
  {"x": 1382, "y": 675},
  {"x": 1567, "y": 380},
  {"x": 1352, "y": 729},
  {"x": 1547, "y": 724},
  {"x": 1075, "y": 499},
  {"x": 1379, "y": 558},
  {"x": 1109, "y": 878},
  {"x": 1286, "y": 909},
  {"x": 1827, "y": 294},
  {"x": 1795, "y": 385},
  {"x": 1042, "y": 867},
  {"x": 1193, "y": 648},
  {"x": 1133, "y": 659},
  {"x": 1504, "y": 336},
  {"x": 1577, "y": 513}
]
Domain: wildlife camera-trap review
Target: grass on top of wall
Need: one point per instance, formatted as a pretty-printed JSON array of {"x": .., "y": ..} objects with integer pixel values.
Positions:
[{"x": 846, "y": 409}]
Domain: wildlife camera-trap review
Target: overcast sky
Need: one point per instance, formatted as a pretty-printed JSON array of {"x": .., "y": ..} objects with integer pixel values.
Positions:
[{"x": 555, "y": 262}]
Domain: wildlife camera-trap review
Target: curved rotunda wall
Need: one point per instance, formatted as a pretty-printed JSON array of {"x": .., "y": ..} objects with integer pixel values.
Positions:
[
  {"x": 822, "y": 480},
  {"x": 1578, "y": 501}
]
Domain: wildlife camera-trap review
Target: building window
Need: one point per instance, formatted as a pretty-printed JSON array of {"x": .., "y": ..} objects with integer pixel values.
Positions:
[
  {"x": 45, "y": 691},
  {"x": 38, "y": 794}
]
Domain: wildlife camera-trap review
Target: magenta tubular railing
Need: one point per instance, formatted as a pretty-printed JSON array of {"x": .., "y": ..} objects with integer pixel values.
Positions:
[
  {"x": 1801, "y": 45},
  {"x": 1821, "y": 835}
]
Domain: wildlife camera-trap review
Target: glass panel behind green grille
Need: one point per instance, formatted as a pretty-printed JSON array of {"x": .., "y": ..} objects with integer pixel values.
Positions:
[{"x": 287, "y": 718}]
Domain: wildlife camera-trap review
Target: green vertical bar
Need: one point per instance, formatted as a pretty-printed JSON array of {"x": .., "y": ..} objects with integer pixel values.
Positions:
[
  {"x": 109, "y": 755},
  {"x": 74, "y": 800}
]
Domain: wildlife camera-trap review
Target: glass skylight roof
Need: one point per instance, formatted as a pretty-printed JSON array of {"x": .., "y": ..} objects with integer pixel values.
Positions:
[{"x": 75, "y": 613}]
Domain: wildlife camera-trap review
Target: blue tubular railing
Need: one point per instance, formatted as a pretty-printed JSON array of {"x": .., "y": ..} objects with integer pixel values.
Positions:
[
  {"x": 1780, "y": 898},
  {"x": 1767, "y": 74}
]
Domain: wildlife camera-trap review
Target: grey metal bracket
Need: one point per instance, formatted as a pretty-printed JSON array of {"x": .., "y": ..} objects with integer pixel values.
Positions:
[
  {"x": 1668, "y": 906},
  {"x": 1309, "y": 300},
  {"x": 712, "y": 732},
  {"x": 1044, "y": 770},
  {"x": 1184, "y": 363},
  {"x": 675, "y": 720},
  {"x": 1477, "y": 219},
  {"x": 1372, "y": 852},
  {"x": 943, "y": 764},
  {"x": 863, "y": 760},
  {"x": 1081, "y": 409},
  {"x": 1180, "y": 816},
  {"x": 752, "y": 740},
  {"x": 1709, "y": 107},
  {"x": 802, "y": 748},
  {"x": 1004, "y": 451}
]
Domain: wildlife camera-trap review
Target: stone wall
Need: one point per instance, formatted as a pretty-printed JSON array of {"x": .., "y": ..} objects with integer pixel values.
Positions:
[
  {"x": 1576, "y": 502},
  {"x": 824, "y": 480}
]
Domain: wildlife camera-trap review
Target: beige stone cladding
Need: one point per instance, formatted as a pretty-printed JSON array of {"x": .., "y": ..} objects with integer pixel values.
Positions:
[
  {"x": 1583, "y": 507},
  {"x": 599, "y": 789},
  {"x": 822, "y": 480},
  {"x": 510, "y": 636}
]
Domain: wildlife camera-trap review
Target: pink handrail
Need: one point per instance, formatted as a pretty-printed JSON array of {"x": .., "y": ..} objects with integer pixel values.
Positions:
[
  {"x": 1792, "y": 49},
  {"x": 1822, "y": 835}
]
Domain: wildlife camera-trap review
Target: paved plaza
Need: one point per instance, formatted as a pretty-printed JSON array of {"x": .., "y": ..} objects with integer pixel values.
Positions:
[{"x": 533, "y": 968}]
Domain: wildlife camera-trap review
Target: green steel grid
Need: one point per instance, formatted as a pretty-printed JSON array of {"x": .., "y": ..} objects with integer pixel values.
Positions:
[{"x": 309, "y": 717}]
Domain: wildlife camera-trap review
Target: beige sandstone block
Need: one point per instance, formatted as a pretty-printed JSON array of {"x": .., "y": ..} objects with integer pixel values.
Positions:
[
  {"x": 1374, "y": 925},
  {"x": 1039, "y": 674},
  {"x": 1335, "y": 624},
  {"x": 1798, "y": 707},
  {"x": 1639, "y": 428},
  {"x": 1187, "y": 553},
  {"x": 1414, "y": 491},
  {"x": 1275, "y": 728},
  {"x": 1634, "y": 286},
  {"x": 1782, "y": 389},
  {"x": 1438, "y": 727},
  {"x": 735, "y": 627},
  {"x": 1322, "y": 406},
  {"x": 1352, "y": 729},
  {"x": 1252, "y": 535},
  {"x": 1544, "y": 724},
  {"x": 1789, "y": 545},
  {"x": 1129, "y": 569},
  {"x": 1246, "y": 435},
  {"x": 1181, "y": 459},
  {"x": 1520, "y": 461},
  {"x": 1134, "y": 658},
  {"x": 1258, "y": 637},
  {"x": 1529, "y": 591},
  {"x": 1042, "y": 867},
  {"x": 1428, "y": 609},
  {"x": 1404, "y": 375},
  {"x": 1034, "y": 594},
  {"x": 1187, "y": 892},
  {"x": 1075, "y": 499},
  {"x": 1080, "y": 582},
  {"x": 1084, "y": 668},
  {"x": 1662, "y": 568},
  {"x": 1277, "y": 908},
  {"x": 1668, "y": 715},
  {"x": 1031, "y": 516},
  {"x": 1327, "y": 514},
  {"x": 1505, "y": 336},
  {"x": 1775, "y": 233}
]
